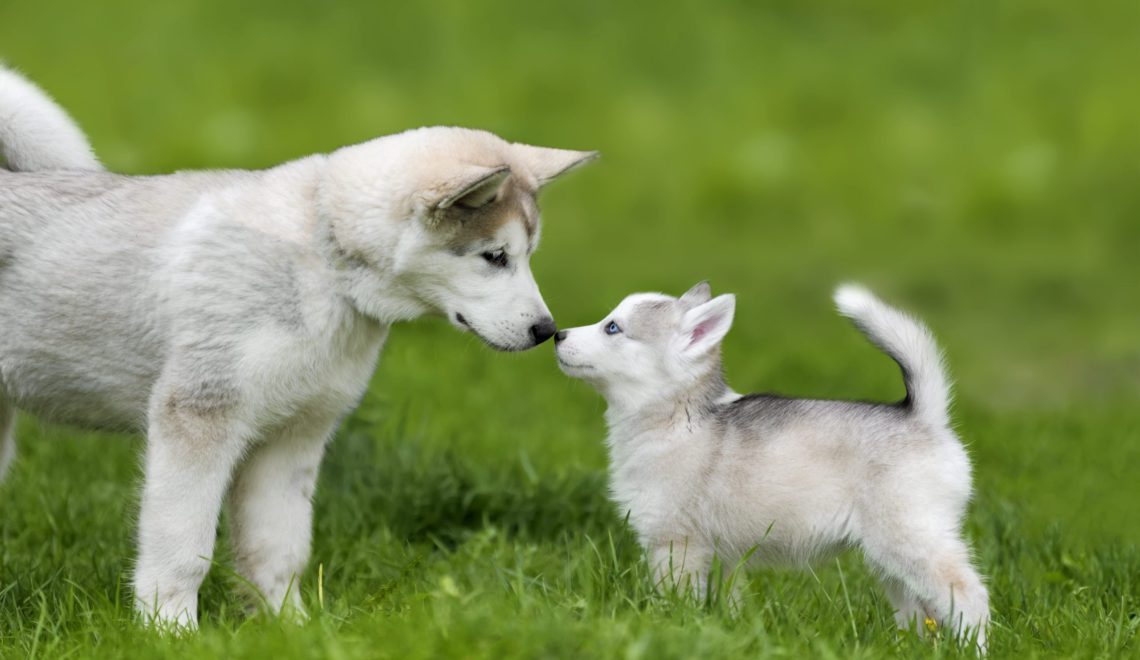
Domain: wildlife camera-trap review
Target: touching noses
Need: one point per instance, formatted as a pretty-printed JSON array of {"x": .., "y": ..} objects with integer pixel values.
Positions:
[
  {"x": 560, "y": 336},
  {"x": 543, "y": 330}
]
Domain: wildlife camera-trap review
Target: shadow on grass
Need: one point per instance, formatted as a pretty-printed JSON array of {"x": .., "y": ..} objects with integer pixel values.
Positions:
[{"x": 427, "y": 494}]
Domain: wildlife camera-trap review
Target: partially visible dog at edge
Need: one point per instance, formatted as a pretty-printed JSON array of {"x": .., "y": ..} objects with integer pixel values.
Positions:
[
  {"x": 236, "y": 316},
  {"x": 701, "y": 470}
]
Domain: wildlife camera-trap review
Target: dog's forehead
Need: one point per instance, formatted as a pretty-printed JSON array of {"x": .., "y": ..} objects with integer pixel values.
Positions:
[
  {"x": 512, "y": 220},
  {"x": 635, "y": 302},
  {"x": 647, "y": 314},
  {"x": 521, "y": 203}
]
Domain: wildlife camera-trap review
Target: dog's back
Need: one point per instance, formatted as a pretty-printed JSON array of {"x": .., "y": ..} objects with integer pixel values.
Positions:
[
  {"x": 76, "y": 341},
  {"x": 81, "y": 335},
  {"x": 94, "y": 267}
]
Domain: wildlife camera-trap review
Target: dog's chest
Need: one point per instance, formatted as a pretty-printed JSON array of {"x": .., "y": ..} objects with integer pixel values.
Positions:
[
  {"x": 658, "y": 483},
  {"x": 289, "y": 375}
]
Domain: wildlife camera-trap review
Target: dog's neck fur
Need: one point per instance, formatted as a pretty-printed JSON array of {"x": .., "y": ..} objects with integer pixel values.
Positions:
[
  {"x": 372, "y": 289},
  {"x": 372, "y": 292},
  {"x": 683, "y": 410},
  {"x": 655, "y": 446}
]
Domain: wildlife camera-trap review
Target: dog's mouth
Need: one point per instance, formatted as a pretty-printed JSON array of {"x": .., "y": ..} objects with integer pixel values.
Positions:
[
  {"x": 462, "y": 322},
  {"x": 575, "y": 367}
]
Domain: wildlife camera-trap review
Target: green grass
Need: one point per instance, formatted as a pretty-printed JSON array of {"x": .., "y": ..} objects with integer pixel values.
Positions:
[{"x": 975, "y": 162}]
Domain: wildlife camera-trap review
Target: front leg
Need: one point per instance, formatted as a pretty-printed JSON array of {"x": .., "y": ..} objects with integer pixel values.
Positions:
[
  {"x": 271, "y": 511},
  {"x": 682, "y": 564},
  {"x": 192, "y": 447}
]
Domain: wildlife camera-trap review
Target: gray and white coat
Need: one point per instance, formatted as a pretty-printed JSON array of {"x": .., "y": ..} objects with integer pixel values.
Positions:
[
  {"x": 235, "y": 317},
  {"x": 701, "y": 470}
]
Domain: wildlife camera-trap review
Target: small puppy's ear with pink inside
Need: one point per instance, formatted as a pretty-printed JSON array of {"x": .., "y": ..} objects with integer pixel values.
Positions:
[
  {"x": 703, "y": 327},
  {"x": 547, "y": 164},
  {"x": 471, "y": 188}
]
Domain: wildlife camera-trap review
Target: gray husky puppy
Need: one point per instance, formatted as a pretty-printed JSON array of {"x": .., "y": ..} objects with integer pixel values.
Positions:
[
  {"x": 701, "y": 469},
  {"x": 236, "y": 316}
]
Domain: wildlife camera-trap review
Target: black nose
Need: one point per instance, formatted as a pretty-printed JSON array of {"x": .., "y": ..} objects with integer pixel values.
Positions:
[
  {"x": 560, "y": 336},
  {"x": 543, "y": 330}
]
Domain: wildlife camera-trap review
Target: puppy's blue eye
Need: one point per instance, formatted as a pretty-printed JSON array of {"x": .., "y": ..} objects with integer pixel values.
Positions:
[
  {"x": 495, "y": 258},
  {"x": 612, "y": 328}
]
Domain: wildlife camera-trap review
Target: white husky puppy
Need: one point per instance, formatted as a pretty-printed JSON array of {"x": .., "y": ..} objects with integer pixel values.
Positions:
[
  {"x": 701, "y": 470},
  {"x": 236, "y": 316}
]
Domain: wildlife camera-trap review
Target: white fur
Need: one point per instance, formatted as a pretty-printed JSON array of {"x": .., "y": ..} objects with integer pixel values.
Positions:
[
  {"x": 907, "y": 340},
  {"x": 701, "y": 470},
  {"x": 35, "y": 133},
  {"x": 237, "y": 316}
]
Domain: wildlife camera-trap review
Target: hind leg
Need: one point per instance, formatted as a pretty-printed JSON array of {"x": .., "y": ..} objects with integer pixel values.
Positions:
[
  {"x": 7, "y": 437},
  {"x": 934, "y": 580}
]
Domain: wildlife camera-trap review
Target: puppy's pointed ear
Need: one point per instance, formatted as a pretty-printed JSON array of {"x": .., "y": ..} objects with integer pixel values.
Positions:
[
  {"x": 700, "y": 294},
  {"x": 471, "y": 188},
  {"x": 547, "y": 164},
  {"x": 703, "y": 327}
]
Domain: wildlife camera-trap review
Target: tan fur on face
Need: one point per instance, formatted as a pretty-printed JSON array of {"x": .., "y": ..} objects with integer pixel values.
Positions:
[{"x": 516, "y": 202}]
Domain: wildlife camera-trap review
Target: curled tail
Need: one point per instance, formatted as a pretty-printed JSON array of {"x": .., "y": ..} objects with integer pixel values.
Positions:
[
  {"x": 36, "y": 133},
  {"x": 909, "y": 343}
]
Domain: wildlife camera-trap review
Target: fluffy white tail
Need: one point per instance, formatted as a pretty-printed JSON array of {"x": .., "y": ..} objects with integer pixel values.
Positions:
[
  {"x": 909, "y": 343},
  {"x": 35, "y": 133}
]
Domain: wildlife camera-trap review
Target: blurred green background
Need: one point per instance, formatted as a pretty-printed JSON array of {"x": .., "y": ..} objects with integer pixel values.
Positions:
[{"x": 976, "y": 162}]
